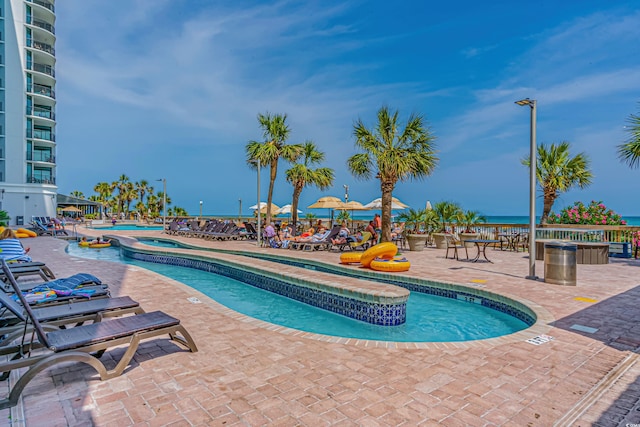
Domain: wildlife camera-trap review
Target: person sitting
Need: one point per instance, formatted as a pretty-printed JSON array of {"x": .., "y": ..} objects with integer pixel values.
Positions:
[
  {"x": 371, "y": 229},
  {"x": 356, "y": 238},
  {"x": 342, "y": 236},
  {"x": 11, "y": 247},
  {"x": 99, "y": 241}
]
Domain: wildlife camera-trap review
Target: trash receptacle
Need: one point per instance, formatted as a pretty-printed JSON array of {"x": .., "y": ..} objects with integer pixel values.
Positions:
[
  {"x": 19, "y": 220},
  {"x": 560, "y": 263}
]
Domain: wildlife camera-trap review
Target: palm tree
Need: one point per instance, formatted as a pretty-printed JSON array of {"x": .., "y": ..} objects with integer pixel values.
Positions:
[
  {"x": 557, "y": 173},
  {"x": 447, "y": 212},
  {"x": 78, "y": 194},
  {"x": 142, "y": 188},
  {"x": 104, "y": 190},
  {"x": 392, "y": 156},
  {"x": 302, "y": 175},
  {"x": 275, "y": 132},
  {"x": 122, "y": 184},
  {"x": 470, "y": 218},
  {"x": 629, "y": 152}
]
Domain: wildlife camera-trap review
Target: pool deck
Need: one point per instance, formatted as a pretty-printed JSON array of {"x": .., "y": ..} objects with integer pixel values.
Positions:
[{"x": 250, "y": 373}]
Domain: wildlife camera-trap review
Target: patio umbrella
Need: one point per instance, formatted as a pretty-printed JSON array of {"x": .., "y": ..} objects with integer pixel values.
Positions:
[
  {"x": 263, "y": 207},
  {"x": 71, "y": 209},
  {"x": 352, "y": 206},
  {"x": 327, "y": 202},
  {"x": 428, "y": 206},
  {"x": 377, "y": 204},
  {"x": 286, "y": 209}
]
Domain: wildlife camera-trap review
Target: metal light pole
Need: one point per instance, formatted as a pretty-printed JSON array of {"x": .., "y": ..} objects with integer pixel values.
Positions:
[
  {"x": 257, "y": 162},
  {"x": 164, "y": 203},
  {"x": 533, "y": 158},
  {"x": 346, "y": 193},
  {"x": 200, "y": 209},
  {"x": 240, "y": 209}
]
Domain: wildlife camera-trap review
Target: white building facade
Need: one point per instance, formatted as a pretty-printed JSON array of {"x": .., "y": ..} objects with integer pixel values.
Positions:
[{"x": 27, "y": 109}]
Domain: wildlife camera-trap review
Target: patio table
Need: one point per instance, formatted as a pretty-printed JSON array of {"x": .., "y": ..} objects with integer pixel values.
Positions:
[{"x": 482, "y": 244}]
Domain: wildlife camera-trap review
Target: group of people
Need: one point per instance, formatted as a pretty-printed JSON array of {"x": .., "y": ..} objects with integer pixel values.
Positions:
[
  {"x": 283, "y": 236},
  {"x": 11, "y": 248}
]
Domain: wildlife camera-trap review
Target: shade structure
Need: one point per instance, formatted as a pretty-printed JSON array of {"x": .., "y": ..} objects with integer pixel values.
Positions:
[
  {"x": 428, "y": 206},
  {"x": 263, "y": 207},
  {"x": 377, "y": 204},
  {"x": 327, "y": 202},
  {"x": 352, "y": 206},
  {"x": 285, "y": 210},
  {"x": 71, "y": 209}
]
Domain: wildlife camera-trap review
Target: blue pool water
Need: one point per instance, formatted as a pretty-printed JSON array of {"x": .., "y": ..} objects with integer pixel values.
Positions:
[{"x": 429, "y": 318}]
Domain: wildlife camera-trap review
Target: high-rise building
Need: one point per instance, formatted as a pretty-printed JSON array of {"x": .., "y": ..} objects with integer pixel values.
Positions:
[{"x": 27, "y": 109}]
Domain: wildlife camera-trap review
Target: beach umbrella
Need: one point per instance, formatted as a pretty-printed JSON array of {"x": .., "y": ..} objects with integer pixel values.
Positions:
[
  {"x": 428, "y": 206},
  {"x": 286, "y": 209},
  {"x": 352, "y": 205},
  {"x": 327, "y": 202},
  {"x": 263, "y": 207},
  {"x": 377, "y": 204},
  {"x": 71, "y": 209}
]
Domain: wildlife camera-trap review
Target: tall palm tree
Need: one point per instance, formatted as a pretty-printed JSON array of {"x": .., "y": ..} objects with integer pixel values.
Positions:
[
  {"x": 629, "y": 152},
  {"x": 392, "y": 156},
  {"x": 78, "y": 194},
  {"x": 143, "y": 188},
  {"x": 302, "y": 175},
  {"x": 104, "y": 190},
  {"x": 122, "y": 184},
  {"x": 275, "y": 132},
  {"x": 557, "y": 172}
]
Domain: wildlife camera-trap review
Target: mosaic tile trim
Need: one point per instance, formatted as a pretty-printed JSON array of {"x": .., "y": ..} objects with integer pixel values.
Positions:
[
  {"x": 367, "y": 311},
  {"x": 507, "y": 306}
]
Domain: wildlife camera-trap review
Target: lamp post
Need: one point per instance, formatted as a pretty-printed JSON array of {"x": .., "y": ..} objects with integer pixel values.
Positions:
[
  {"x": 239, "y": 209},
  {"x": 257, "y": 163},
  {"x": 164, "y": 203},
  {"x": 200, "y": 209},
  {"x": 346, "y": 193},
  {"x": 532, "y": 187}
]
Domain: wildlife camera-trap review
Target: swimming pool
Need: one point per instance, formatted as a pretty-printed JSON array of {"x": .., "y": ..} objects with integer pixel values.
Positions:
[{"x": 429, "y": 317}]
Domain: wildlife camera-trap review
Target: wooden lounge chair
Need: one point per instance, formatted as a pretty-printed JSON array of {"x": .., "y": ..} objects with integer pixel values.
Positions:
[{"x": 76, "y": 344}]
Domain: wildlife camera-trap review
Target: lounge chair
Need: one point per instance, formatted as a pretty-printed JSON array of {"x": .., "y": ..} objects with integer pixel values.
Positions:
[
  {"x": 34, "y": 268},
  {"x": 354, "y": 246},
  {"x": 325, "y": 243},
  {"x": 76, "y": 344}
]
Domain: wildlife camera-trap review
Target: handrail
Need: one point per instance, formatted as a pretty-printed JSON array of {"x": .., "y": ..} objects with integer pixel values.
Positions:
[{"x": 44, "y": 25}]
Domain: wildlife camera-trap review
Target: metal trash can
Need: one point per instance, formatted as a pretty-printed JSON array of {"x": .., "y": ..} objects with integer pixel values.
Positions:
[{"x": 560, "y": 263}]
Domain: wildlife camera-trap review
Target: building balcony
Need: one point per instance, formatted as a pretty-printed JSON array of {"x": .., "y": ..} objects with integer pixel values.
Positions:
[
  {"x": 44, "y": 3},
  {"x": 41, "y": 112},
  {"x": 41, "y": 156},
  {"x": 44, "y": 47},
  {"x": 42, "y": 68},
  {"x": 43, "y": 24},
  {"x": 45, "y": 135},
  {"x": 41, "y": 180},
  {"x": 37, "y": 89}
]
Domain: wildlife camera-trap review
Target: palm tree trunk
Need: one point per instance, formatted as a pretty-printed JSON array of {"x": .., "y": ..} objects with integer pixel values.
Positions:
[
  {"x": 387, "y": 199},
  {"x": 297, "y": 190},
  {"x": 548, "y": 204},
  {"x": 272, "y": 182}
]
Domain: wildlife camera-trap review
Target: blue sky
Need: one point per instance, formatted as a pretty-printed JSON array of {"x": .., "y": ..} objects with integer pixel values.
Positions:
[{"x": 172, "y": 88}]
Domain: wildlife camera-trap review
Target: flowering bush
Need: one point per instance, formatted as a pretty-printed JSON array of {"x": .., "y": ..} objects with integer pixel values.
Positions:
[{"x": 594, "y": 214}]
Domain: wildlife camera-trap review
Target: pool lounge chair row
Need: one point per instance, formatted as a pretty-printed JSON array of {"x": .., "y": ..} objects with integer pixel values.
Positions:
[{"x": 38, "y": 338}]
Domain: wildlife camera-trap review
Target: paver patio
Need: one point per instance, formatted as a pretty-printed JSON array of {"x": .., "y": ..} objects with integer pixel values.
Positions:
[{"x": 248, "y": 372}]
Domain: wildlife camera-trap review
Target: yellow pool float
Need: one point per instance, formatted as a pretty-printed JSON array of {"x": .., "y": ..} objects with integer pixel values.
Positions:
[
  {"x": 350, "y": 257},
  {"x": 83, "y": 244},
  {"x": 99, "y": 245},
  {"x": 393, "y": 264},
  {"x": 29, "y": 233},
  {"x": 381, "y": 250}
]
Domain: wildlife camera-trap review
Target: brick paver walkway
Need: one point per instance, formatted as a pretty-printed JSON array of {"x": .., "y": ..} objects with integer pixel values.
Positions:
[{"x": 249, "y": 373}]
